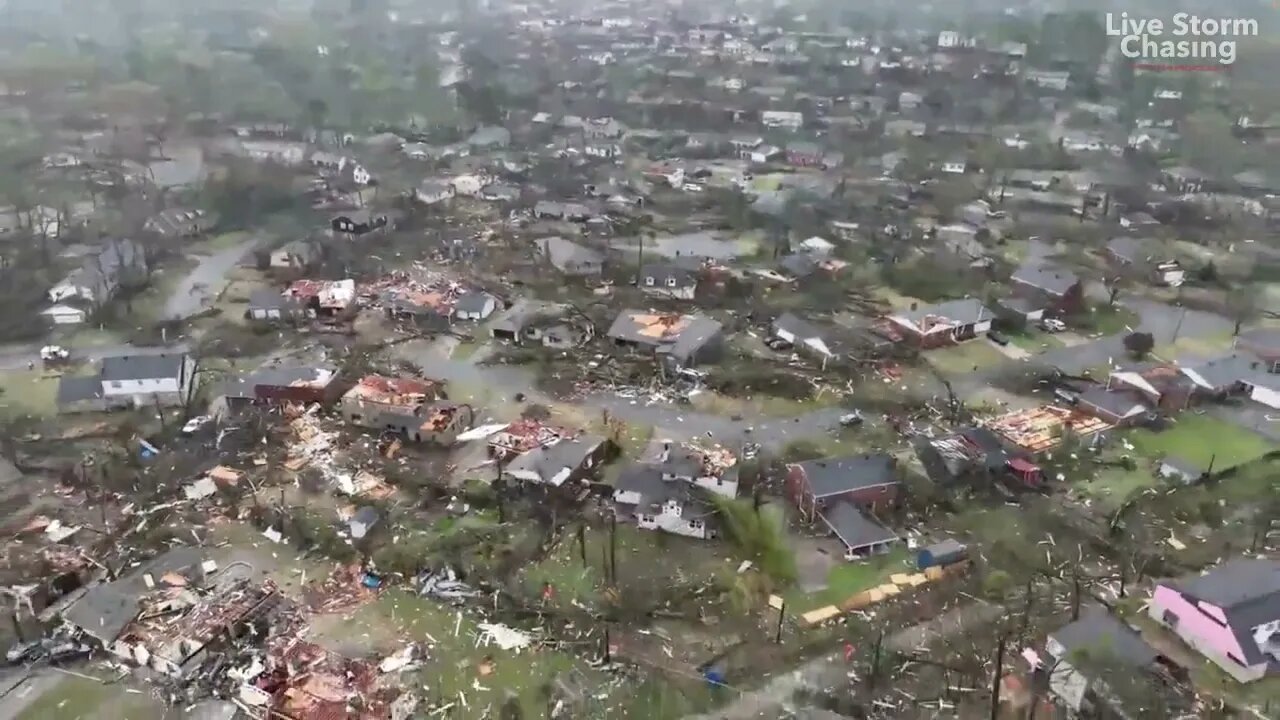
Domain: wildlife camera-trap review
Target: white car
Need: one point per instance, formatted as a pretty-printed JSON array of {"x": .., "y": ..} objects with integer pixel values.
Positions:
[
  {"x": 194, "y": 424},
  {"x": 1052, "y": 325}
]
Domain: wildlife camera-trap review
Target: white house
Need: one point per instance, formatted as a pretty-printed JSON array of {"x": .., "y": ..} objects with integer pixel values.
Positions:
[
  {"x": 955, "y": 167},
  {"x": 61, "y": 314},
  {"x": 671, "y": 516},
  {"x": 140, "y": 378},
  {"x": 283, "y": 152},
  {"x": 782, "y": 119},
  {"x": 948, "y": 39}
]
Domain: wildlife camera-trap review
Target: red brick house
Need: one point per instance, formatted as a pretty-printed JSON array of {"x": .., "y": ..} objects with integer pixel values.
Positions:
[
  {"x": 869, "y": 482},
  {"x": 805, "y": 154}
]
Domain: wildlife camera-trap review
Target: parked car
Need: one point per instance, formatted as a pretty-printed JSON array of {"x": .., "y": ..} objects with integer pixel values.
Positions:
[
  {"x": 1052, "y": 325},
  {"x": 194, "y": 425},
  {"x": 997, "y": 338}
]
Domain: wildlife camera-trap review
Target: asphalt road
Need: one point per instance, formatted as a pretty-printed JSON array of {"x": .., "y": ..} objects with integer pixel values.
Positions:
[
  {"x": 16, "y": 357},
  {"x": 206, "y": 280},
  {"x": 680, "y": 423}
]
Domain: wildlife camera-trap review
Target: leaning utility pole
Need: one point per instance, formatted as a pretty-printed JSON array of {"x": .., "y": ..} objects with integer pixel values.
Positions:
[{"x": 995, "y": 679}]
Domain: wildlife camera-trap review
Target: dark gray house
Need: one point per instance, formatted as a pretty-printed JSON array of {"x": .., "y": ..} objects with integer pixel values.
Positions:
[{"x": 679, "y": 341}]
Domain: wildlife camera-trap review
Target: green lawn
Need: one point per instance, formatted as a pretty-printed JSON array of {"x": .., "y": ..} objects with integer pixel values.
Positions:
[
  {"x": 1113, "y": 485},
  {"x": 1034, "y": 342},
  {"x": 453, "y": 670},
  {"x": 1109, "y": 320},
  {"x": 1202, "y": 440},
  {"x": 965, "y": 357},
  {"x": 648, "y": 561},
  {"x": 78, "y": 698},
  {"x": 28, "y": 392},
  {"x": 850, "y": 578}
]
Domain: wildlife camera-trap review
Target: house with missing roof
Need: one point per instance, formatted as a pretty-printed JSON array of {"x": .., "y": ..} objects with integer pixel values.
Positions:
[
  {"x": 844, "y": 493},
  {"x": 672, "y": 492},
  {"x": 166, "y": 379},
  {"x": 942, "y": 324},
  {"x": 1081, "y": 656},
  {"x": 679, "y": 341},
  {"x": 378, "y": 402},
  {"x": 318, "y": 384},
  {"x": 1230, "y": 614}
]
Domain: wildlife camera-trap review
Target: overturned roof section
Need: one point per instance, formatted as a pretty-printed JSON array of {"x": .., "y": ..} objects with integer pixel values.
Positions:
[{"x": 393, "y": 390}]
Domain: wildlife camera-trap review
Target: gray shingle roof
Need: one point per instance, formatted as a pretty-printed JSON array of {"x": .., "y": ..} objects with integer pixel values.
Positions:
[
  {"x": 1053, "y": 280},
  {"x": 142, "y": 367},
  {"x": 963, "y": 312},
  {"x": 831, "y": 476},
  {"x": 855, "y": 529},
  {"x": 1098, "y": 633}
]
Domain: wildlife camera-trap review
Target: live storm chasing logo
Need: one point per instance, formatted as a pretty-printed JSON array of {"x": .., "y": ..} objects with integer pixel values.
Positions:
[{"x": 1157, "y": 45}]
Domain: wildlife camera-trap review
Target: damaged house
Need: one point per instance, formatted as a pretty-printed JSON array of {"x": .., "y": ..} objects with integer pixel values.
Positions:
[
  {"x": 408, "y": 406},
  {"x": 679, "y": 341},
  {"x": 561, "y": 460},
  {"x": 328, "y": 298},
  {"x": 943, "y": 324},
  {"x": 670, "y": 492},
  {"x": 1049, "y": 288},
  {"x": 668, "y": 280},
  {"x": 300, "y": 384},
  {"x": 102, "y": 274},
  {"x": 172, "y": 613},
  {"x": 301, "y": 680}
]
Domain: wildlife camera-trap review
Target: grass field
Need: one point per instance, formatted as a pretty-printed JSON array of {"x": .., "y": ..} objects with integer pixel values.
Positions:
[
  {"x": 647, "y": 562},
  {"x": 1202, "y": 440},
  {"x": 28, "y": 392},
  {"x": 965, "y": 357},
  {"x": 850, "y": 578},
  {"x": 78, "y": 698},
  {"x": 476, "y": 677}
]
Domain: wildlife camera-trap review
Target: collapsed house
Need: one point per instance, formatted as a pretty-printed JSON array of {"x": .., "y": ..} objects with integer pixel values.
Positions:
[
  {"x": 173, "y": 612},
  {"x": 437, "y": 305},
  {"x": 299, "y": 680},
  {"x": 327, "y": 298}
]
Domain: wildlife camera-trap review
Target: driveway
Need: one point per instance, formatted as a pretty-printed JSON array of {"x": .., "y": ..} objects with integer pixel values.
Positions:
[{"x": 203, "y": 284}]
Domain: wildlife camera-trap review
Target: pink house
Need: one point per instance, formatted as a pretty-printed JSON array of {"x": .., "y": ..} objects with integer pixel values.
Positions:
[{"x": 1231, "y": 615}]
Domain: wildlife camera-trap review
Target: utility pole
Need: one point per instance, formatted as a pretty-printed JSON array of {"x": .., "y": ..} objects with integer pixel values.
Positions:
[
  {"x": 613, "y": 549},
  {"x": 582, "y": 544},
  {"x": 995, "y": 679},
  {"x": 873, "y": 675},
  {"x": 1178, "y": 328},
  {"x": 782, "y": 613}
]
